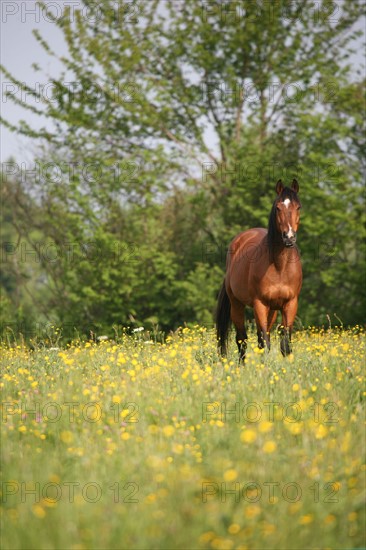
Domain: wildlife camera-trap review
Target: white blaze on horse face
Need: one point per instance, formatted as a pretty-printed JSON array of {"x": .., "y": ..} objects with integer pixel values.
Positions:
[
  {"x": 290, "y": 231},
  {"x": 286, "y": 202}
]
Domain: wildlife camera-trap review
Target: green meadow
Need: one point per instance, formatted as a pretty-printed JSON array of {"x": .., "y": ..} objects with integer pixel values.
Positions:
[{"x": 140, "y": 444}]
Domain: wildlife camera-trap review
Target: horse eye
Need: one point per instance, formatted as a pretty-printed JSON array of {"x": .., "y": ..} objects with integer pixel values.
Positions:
[
  {"x": 278, "y": 208},
  {"x": 298, "y": 208}
]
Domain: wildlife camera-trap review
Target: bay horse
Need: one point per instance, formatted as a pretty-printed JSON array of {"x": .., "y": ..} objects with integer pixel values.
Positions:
[{"x": 263, "y": 271}]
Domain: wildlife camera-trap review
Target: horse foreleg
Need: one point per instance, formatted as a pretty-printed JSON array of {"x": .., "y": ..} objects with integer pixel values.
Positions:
[
  {"x": 272, "y": 315},
  {"x": 261, "y": 312},
  {"x": 289, "y": 311},
  {"x": 238, "y": 318}
]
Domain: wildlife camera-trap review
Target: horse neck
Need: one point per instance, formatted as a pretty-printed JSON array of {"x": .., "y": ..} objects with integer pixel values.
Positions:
[{"x": 280, "y": 255}]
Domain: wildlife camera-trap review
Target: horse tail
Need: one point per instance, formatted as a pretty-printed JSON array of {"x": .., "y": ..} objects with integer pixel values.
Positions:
[{"x": 223, "y": 319}]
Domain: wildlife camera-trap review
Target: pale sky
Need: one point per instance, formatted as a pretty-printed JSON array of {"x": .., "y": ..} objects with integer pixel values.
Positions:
[{"x": 19, "y": 49}]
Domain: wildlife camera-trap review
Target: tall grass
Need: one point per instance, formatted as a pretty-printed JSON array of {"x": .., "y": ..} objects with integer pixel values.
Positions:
[{"x": 143, "y": 445}]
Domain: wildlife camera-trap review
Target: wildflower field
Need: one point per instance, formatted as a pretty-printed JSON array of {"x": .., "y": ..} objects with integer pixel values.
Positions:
[{"x": 146, "y": 445}]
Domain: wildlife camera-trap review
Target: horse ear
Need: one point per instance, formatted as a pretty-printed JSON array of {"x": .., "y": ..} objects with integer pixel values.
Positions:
[
  {"x": 279, "y": 187},
  {"x": 295, "y": 185}
]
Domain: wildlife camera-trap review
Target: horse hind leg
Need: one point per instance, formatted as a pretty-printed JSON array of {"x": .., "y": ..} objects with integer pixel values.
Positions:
[
  {"x": 260, "y": 338},
  {"x": 285, "y": 344},
  {"x": 238, "y": 319},
  {"x": 271, "y": 318}
]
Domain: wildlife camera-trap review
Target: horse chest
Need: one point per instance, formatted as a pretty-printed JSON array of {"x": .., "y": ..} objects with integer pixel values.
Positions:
[{"x": 276, "y": 289}]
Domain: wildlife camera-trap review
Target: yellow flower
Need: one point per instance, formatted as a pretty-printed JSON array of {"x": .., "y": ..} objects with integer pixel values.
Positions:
[
  {"x": 206, "y": 537},
  {"x": 269, "y": 447},
  {"x": 321, "y": 432},
  {"x": 352, "y": 482},
  {"x": 153, "y": 429},
  {"x": 305, "y": 520},
  {"x": 329, "y": 519},
  {"x": 49, "y": 503},
  {"x": 295, "y": 387},
  {"x": 121, "y": 359},
  {"x": 230, "y": 475},
  {"x": 54, "y": 478},
  {"x": 67, "y": 437},
  {"x": 294, "y": 507},
  {"x": 294, "y": 427},
  {"x": 168, "y": 431},
  {"x": 125, "y": 436},
  {"x": 248, "y": 436},
  {"x": 268, "y": 529},
  {"x": 38, "y": 511},
  {"x": 234, "y": 528},
  {"x": 252, "y": 510},
  {"x": 352, "y": 516},
  {"x": 265, "y": 427},
  {"x": 222, "y": 544}
]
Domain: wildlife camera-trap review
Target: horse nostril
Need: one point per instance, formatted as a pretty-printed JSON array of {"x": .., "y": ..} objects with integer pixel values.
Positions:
[{"x": 288, "y": 237}]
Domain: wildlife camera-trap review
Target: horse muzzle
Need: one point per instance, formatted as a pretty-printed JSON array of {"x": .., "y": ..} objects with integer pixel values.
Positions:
[{"x": 289, "y": 240}]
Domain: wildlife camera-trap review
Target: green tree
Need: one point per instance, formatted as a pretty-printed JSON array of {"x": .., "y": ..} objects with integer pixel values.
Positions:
[{"x": 170, "y": 127}]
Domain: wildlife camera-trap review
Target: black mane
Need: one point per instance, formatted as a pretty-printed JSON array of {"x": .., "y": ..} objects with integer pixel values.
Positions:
[{"x": 273, "y": 236}]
